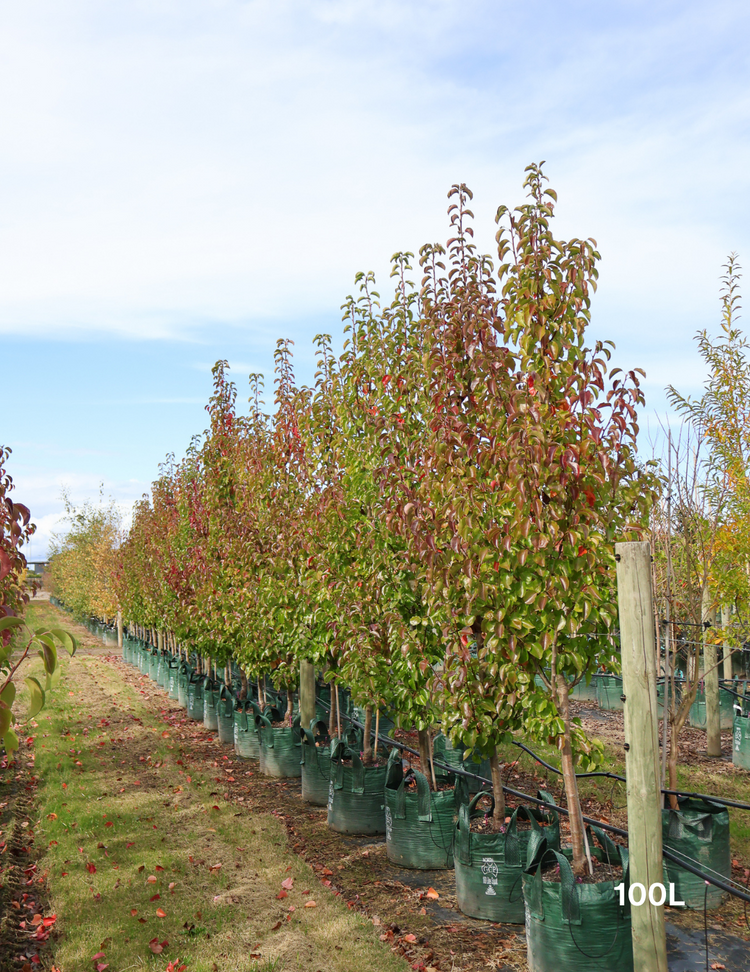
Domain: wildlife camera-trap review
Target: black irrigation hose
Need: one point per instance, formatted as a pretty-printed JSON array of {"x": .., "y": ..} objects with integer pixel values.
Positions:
[
  {"x": 616, "y": 776},
  {"x": 722, "y": 885}
]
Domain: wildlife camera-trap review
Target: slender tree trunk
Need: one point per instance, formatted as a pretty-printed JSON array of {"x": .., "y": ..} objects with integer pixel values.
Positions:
[
  {"x": 498, "y": 814},
  {"x": 377, "y": 730},
  {"x": 368, "y": 735},
  {"x": 432, "y": 762},
  {"x": 289, "y": 706},
  {"x": 243, "y": 684},
  {"x": 424, "y": 753},
  {"x": 710, "y": 668},
  {"x": 228, "y": 675},
  {"x": 332, "y": 713},
  {"x": 575, "y": 817}
]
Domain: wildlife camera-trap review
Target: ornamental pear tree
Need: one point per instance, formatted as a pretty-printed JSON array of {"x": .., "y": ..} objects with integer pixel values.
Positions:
[{"x": 530, "y": 474}]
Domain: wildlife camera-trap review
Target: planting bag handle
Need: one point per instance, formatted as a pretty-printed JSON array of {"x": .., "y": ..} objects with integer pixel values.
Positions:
[
  {"x": 570, "y": 905},
  {"x": 261, "y": 722},
  {"x": 394, "y": 773},
  {"x": 424, "y": 803},
  {"x": 358, "y": 774},
  {"x": 308, "y": 743},
  {"x": 512, "y": 843},
  {"x": 338, "y": 751},
  {"x": 462, "y": 849}
]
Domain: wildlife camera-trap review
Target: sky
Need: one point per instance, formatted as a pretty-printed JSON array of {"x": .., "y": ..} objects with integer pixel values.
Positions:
[{"x": 188, "y": 181}]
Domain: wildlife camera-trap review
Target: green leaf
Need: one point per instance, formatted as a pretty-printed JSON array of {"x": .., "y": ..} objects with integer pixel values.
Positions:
[
  {"x": 11, "y": 622},
  {"x": 66, "y": 639},
  {"x": 8, "y": 695},
  {"x": 5, "y": 718},
  {"x": 48, "y": 654},
  {"x": 37, "y": 696},
  {"x": 10, "y": 741}
]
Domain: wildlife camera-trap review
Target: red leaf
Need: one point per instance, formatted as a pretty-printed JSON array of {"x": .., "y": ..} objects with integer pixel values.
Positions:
[
  {"x": 49, "y": 920},
  {"x": 128, "y": 846},
  {"x": 154, "y": 897},
  {"x": 288, "y": 883},
  {"x": 98, "y": 956},
  {"x": 101, "y": 966},
  {"x": 91, "y": 868},
  {"x": 133, "y": 912},
  {"x": 161, "y": 913},
  {"x": 281, "y": 894},
  {"x": 109, "y": 824},
  {"x": 276, "y": 926}
]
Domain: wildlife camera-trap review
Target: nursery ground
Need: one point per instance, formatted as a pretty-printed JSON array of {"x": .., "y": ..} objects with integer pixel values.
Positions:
[{"x": 168, "y": 787}]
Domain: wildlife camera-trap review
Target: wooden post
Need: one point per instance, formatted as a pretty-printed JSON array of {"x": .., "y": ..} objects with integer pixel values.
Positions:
[
  {"x": 306, "y": 693},
  {"x": 160, "y": 640},
  {"x": 726, "y": 620},
  {"x": 711, "y": 670},
  {"x": 119, "y": 630},
  {"x": 635, "y": 601}
]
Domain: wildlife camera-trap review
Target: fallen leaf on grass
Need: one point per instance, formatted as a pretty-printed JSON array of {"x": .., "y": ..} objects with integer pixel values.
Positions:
[
  {"x": 411, "y": 939},
  {"x": 151, "y": 879},
  {"x": 91, "y": 868},
  {"x": 281, "y": 894},
  {"x": 276, "y": 926},
  {"x": 131, "y": 844},
  {"x": 98, "y": 955},
  {"x": 310, "y": 904},
  {"x": 432, "y": 894},
  {"x": 154, "y": 897},
  {"x": 326, "y": 872},
  {"x": 160, "y": 913},
  {"x": 133, "y": 912},
  {"x": 156, "y": 946},
  {"x": 288, "y": 883}
]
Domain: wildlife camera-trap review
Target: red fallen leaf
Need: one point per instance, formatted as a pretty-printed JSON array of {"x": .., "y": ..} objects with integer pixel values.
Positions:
[
  {"x": 214, "y": 867},
  {"x": 160, "y": 913},
  {"x": 101, "y": 966},
  {"x": 128, "y": 846},
  {"x": 109, "y": 824},
  {"x": 281, "y": 894},
  {"x": 276, "y": 926},
  {"x": 91, "y": 868},
  {"x": 49, "y": 920},
  {"x": 214, "y": 807},
  {"x": 133, "y": 912},
  {"x": 432, "y": 894},
  {"x": 327, "y": 871},
  {"x": 158, "y": 868},
  {"x": 142, "y": 868},
  {"x": 53, "y": 843},
  {"x": 326, "y": 882},
  {"x": 165, "y": 735},
  {"x": 142, "y": 921},
  {"x": 151, "y": 879},
  {"x": 98, "y": 956},
  {"x": 155, "y": 946},
  {"x": 717, "y": 965},
  {"x": 64, "y": 874},
  {"x": 171, "y": 885},
  {"x": 154, "y": 897},
  {"x": 311, "y": 904},
  {"x": 409, "y": 938},
  {"x": 288, "y": 883},
  {"x": 36, "y": 920}
]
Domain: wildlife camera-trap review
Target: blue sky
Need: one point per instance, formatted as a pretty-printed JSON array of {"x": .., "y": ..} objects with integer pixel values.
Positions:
[{"x": 190, "y": 180}]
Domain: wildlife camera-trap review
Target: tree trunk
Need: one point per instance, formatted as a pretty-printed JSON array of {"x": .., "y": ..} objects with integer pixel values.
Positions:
[
  {"x": 243, "y": 684},
  {"x": 367, "y": 754},
  {"x": 711, "y": 670},
  {"x": 424, "y": 753},
  {"x": 498, "y": 814},
  {"x": 289, "y": 706},
  {"x": 228, "y": 675},
  {"x": 575, "y": 817},
  {"x": 333, "y": 713}
]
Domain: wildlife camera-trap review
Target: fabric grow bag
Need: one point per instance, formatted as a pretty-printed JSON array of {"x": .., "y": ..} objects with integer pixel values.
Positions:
[
  {"x": 609, "y": 691},
  {"x": 700, "y": 831},
  {"x": 741, "y": 742},
  {"x": 280, "y": 748},
  {"x": 316, "y": 763},
  {"x": 225, "y": 716},
  {"x": 697, "y": 714},
  {"x": 195, "y": 697},
  {"x": 356, "y": 794},
  {"x": 210, "y": 698},
  {"x": 153, "y": 663},
  {"x": 244, "y": 732},
  {"x": 162, "y": 672},
  {"x": 489, "y": 866},
  {"x": 573, "y": 927},
  {"x": 173, "y": 673},
  {"x": 183, "y": 680},
  {"x": 444, "y": 751},
  {"x": 419, "y": 825}
]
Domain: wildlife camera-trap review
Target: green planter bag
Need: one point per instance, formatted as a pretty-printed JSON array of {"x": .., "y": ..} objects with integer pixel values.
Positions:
[
  {"x": 573, "y": 927},
  {"x": 445, "y": 752},
  {"x": 609, "y": 691},
  {"x": 741, "y": 742},
  {"x": 697, "y": 715},
  {"x": 225, "y": 716},
  {"x": 162, "y": 672},
  {"x": 356, "y": 794},
  {"x": 210, "y": 698},
  {"x": 419, "y": 825},
  {"x": 195, "y": 697},
  {"x": 245, "y": 734},
  {"x": 280, "y": 748},
  {"x": 316, "y": 763},
  {"x": 585, "y": 693},
  {"x": 173, "y": 673},
  {"x": 153, "y": 663},
  {"x": 489, "y": 866},
  {"x": 700, "y": 831},
  {"x": 183, "y": 680}
]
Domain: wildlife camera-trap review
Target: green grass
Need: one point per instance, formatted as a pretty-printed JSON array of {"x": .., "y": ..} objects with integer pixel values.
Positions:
[{"x": 114, "y": 808}]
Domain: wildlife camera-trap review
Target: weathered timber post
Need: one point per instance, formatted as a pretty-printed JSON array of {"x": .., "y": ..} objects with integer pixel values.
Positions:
[
  {"x": 635, "y": 601},
  {"x": 711, "y": 676},
  {"x": 306, "y": 693}
]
